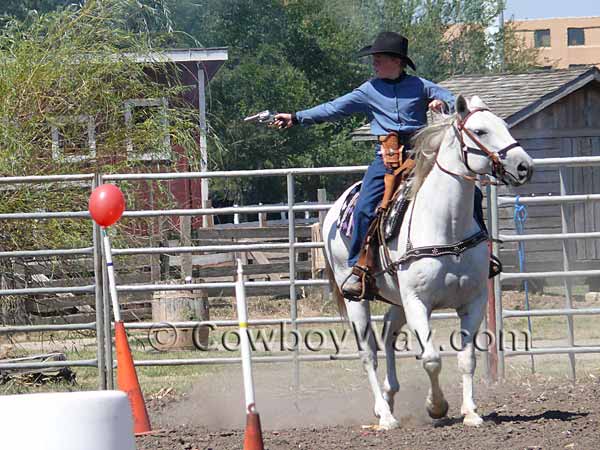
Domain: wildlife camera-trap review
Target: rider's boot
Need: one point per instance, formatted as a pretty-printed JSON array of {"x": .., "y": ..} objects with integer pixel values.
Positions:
[
  {"x": 495, "y": 266},
  {"x": 352, "y": 287},
  {"x": 356, "y": 285}
]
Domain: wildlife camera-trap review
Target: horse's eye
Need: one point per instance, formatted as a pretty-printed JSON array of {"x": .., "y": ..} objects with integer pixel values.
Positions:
[{"x": 480, "y": 132}]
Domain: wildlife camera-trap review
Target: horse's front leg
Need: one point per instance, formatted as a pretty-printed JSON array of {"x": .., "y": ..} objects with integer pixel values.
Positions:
[
  {"x": 417, "y": 315},
  {"x": 360, "y": 319},
  {"x": 470, "y": 319},
  {"x": 394, "y": 320}
]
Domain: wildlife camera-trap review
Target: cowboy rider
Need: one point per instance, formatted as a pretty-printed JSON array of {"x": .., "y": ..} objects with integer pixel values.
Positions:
[{"x": 395, "y": 103}]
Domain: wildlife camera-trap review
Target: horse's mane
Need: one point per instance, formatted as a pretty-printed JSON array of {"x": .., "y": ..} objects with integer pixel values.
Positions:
[{"x": 426, "y": 144}]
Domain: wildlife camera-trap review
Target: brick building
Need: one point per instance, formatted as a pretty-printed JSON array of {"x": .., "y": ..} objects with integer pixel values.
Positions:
[{"x": 563, "y": 42}]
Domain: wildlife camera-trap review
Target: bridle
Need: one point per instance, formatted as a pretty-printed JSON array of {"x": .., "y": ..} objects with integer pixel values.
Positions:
[{"x": 495, "y": 157}]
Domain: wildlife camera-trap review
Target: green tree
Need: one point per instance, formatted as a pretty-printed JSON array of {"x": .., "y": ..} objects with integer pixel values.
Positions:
[
  {"x": 292, "y": 54},
  {"x": 60, "y": 72},
  {"x": 314, "y": 45},
  {"x": 513, "y": 55},
  {"x": 273, "y": 50},
  {"x": 20, "y": 9}
]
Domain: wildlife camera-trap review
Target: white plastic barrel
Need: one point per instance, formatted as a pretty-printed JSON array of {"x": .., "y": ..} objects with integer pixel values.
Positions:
[{"x": 93, "y": 420}]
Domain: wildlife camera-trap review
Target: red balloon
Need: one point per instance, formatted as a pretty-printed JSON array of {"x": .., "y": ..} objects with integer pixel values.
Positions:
[{"x": 106, "y": 204}]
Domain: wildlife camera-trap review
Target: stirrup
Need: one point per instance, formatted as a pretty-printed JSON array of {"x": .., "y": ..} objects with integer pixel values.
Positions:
[
  {"x": 365, "y": 291},
  {"x": 495, "y": 266}
]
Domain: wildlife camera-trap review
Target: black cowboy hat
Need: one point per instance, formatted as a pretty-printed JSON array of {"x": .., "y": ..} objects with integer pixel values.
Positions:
[{"x": 389, "y": 42}]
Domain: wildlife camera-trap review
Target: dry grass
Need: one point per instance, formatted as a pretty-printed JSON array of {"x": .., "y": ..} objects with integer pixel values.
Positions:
[{"x": 547, "y": 331}]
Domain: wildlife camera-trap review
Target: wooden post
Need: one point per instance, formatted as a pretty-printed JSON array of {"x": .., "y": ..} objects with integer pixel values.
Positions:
[
  {"x": 156, "y": 235},
  {"x": 322, "y": 198},
  {"x": 208, "y": 221},
  {"x": 154, "y": 259},
  {"x": 14, "y": 309},
  {"x": 186, "y": 241},
  {"x": 155, "y": 239},
  {"x": 178, "y": 306},
  {"x": 492, "y": 328},
  {"x": 316, "y": 254},
  {"x": 262, "y": 218},
  {"x": 204, "y": 315},
  {"x": 202, "y": 139},
  {"x": 236, "y": 216}
]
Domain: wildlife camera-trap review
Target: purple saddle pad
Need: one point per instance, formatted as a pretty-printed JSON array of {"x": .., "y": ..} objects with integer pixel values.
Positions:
[{"x": 344, "y": 222}]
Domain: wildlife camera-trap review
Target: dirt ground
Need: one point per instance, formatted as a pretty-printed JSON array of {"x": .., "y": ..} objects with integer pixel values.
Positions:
[
  {"x": 531, "y": 413},
  {"x": 333, "y": 407}
]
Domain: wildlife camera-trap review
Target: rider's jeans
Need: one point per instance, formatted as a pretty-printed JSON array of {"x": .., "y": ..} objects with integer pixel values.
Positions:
[{"x": 371, "y": 193}]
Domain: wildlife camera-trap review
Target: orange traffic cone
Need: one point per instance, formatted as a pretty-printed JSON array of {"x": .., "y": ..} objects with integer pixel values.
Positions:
[
  {"x": 128, "y": 382},
  {"x": 253, "y": 439}
]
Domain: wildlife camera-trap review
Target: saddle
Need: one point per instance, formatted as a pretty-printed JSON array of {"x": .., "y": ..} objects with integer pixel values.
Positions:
[{"x": 389, "y": 217}]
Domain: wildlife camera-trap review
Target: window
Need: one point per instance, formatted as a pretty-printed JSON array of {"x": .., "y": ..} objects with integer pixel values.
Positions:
[
  {"x": 73, "y": 138},
  {"x": 149, "y": 113},
  {"x": 576, "y": 36},
  {"x": 541, "y": 38}
]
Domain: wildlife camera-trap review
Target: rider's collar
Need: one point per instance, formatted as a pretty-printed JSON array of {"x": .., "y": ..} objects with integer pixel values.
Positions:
[{"x": 395, "y": 80}]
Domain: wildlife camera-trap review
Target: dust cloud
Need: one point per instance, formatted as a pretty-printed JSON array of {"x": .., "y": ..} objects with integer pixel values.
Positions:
[{"x": 327, "y": 396}]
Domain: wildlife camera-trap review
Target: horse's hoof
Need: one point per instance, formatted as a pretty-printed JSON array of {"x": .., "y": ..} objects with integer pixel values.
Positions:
[
  {"x": 472, "y": 420},
  {"x": 438, "y": 413},
  {"x": 389, "y": 424}
]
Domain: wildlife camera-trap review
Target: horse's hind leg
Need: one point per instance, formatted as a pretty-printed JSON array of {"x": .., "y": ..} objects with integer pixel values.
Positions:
[
  {"x": 470, "y": 319},
  {"x": 394, "y": 320},
  {"x": 360, "y": 319},
  {"x": 418, "y": 321}
]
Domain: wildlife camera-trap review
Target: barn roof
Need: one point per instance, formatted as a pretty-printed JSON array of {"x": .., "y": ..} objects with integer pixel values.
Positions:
[
  {"x": 515, "y": 97},
  {"x": 211, "y": 59}
]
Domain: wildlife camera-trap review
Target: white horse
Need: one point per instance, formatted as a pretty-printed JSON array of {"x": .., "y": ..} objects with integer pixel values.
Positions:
[{"x": 438, "y": 224}]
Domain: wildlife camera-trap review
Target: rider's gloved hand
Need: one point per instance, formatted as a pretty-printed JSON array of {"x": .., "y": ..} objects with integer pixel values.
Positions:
[
  {"x": 284, "y": 120},
  {"x": 437, "y": 106}
]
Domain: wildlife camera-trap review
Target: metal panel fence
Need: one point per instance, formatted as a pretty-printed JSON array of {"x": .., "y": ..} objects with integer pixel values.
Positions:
[
  {"x": 102, "y": 326},
  {"x": 567, "y": 275}
]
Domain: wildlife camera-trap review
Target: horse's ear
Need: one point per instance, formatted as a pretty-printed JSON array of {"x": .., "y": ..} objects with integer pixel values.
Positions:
[
  {"x": 461, "y": 107},
  {"x": 476, "y": 102}
]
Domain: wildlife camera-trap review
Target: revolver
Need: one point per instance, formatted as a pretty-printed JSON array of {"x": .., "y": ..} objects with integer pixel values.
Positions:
[{"x": 262, "y": 117}]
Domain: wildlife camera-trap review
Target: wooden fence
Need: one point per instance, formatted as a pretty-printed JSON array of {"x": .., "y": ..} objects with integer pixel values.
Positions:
[{"x": 165, "y": 268}]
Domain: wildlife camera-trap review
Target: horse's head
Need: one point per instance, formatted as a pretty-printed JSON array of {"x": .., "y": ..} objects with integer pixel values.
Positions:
[{"x": 487, "y": 146}]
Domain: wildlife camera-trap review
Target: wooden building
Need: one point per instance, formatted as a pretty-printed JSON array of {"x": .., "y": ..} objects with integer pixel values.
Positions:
[
  {"x": 195, "y": 68},
  {"x": 553, "y": 113}
]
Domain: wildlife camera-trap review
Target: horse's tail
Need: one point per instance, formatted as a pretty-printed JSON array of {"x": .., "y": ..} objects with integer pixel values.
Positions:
[{"x": 335, "y": 291}]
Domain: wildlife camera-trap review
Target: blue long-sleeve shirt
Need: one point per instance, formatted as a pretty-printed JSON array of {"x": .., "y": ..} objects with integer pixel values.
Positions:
[{"x": 390, "y": 105}]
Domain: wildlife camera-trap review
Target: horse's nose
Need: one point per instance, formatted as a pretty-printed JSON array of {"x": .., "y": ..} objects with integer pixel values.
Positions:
[{"x": 524, "y": 172}]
